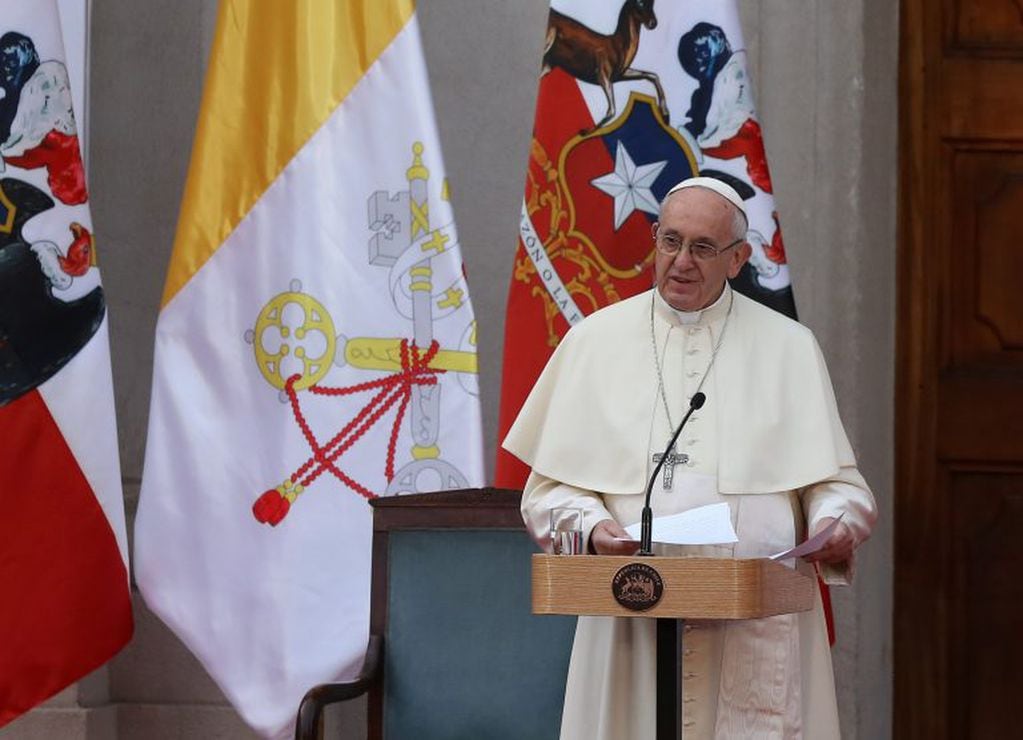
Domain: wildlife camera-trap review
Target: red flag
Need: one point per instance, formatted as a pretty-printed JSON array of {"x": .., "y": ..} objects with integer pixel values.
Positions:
[
  {"x": 65, "y": 605},
  {"x": 600, "y": 163}
]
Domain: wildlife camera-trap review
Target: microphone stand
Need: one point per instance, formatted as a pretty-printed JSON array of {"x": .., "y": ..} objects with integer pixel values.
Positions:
[
  {"x": 647, "y": 521},
  {"x": 669, "y": 631}
]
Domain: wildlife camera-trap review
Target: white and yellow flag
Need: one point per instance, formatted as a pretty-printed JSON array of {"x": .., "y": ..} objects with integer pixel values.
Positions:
[{"x": 316, "y": 346}]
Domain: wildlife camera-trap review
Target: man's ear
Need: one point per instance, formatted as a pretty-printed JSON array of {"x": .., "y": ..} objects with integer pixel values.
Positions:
[{"x": 739, "y": 257}]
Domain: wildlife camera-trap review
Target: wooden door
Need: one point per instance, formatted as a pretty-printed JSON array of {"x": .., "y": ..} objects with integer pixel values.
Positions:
[{"x": 959, "y": 488}]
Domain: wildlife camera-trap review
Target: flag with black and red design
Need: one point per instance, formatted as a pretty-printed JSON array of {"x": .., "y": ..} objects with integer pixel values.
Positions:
[{"x": 65, "y": 606}]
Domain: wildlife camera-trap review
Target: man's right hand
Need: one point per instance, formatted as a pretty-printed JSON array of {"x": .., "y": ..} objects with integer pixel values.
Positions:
[{"x": 603, "y": 542}]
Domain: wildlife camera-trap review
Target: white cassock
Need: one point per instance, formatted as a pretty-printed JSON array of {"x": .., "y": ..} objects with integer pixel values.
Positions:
[{"x": 768, "y": 441}]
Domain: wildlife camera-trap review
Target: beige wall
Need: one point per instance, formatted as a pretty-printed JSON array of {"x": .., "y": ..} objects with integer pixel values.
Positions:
[{"x": 825, "y": 74}]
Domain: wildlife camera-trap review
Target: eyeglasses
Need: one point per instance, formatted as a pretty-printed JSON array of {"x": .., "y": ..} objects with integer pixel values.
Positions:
[{"x": 672, "y": 245}]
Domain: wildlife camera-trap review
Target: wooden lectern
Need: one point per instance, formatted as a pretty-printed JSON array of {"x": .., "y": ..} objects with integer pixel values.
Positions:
[{"x": 670, "y": 590}]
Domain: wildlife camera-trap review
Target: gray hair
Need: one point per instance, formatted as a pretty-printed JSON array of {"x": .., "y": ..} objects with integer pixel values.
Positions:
[{"x": 739, "y": 224}]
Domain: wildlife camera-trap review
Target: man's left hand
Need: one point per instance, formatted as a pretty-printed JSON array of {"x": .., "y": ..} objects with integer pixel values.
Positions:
[{"x": 839, "y": 547}]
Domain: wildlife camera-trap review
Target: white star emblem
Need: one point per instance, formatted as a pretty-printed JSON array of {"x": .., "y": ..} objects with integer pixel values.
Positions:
[{"x": 630, "y": 185}]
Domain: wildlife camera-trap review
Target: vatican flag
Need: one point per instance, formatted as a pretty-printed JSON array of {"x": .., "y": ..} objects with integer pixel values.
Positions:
[{"x": 316, "y": 346}]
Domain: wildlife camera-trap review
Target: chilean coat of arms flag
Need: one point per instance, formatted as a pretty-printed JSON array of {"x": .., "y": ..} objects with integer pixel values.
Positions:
[
  {"x": 316, "y": 346},
  {"x": 65, "y": 606},
  {"x": 634, "y": 96}
]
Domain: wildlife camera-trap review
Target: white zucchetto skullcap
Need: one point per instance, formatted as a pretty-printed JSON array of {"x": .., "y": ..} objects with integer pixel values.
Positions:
[{"x": 723, "y": 189}]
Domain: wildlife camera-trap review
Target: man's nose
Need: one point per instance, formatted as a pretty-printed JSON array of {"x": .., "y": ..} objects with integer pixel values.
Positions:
[{"x": 684, "y": 258}]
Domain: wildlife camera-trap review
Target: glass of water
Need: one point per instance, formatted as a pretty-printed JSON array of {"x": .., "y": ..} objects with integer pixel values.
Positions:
[{"x": 567, "y": 531}]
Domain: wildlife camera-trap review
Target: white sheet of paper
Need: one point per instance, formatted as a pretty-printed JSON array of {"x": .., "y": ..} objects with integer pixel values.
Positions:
[
  {"x": 704, "y": 525},
  {"x": 811, "y": 545}
]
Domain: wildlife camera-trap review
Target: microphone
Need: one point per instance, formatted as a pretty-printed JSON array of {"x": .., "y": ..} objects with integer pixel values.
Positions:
[{"x": 646, "y": 527}]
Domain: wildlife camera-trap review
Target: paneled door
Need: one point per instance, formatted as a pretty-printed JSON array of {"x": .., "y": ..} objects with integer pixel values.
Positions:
[{"x": 959, "y": 396}]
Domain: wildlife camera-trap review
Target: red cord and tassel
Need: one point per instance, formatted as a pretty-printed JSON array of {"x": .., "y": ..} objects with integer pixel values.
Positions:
[{"x": 273, "y": 505}]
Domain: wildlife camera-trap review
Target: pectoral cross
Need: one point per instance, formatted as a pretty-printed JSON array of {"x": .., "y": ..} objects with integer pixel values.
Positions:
[{"x": 670, "y": 461}]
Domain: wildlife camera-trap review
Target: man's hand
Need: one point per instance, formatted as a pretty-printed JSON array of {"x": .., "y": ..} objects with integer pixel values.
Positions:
[
  {"x": 603, "y": 542},
  {"x": 839, "y": 546}
]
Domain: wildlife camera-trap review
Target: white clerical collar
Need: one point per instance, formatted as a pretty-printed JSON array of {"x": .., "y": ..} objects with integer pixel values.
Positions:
[{"x": 687, "y": 318}]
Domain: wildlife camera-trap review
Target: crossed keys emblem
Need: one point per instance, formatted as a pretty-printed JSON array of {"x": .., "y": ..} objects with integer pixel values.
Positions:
[{"x": 295, "y": 345}]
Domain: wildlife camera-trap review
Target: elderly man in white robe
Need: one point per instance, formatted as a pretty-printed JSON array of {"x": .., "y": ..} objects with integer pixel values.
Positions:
[{"x": 768, "y": 442}]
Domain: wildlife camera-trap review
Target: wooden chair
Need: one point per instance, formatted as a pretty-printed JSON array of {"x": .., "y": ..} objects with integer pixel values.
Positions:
[{"x": 454, "y": 650}]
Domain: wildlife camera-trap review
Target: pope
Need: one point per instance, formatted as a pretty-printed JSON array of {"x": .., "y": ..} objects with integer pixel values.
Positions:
[{"x": 768, "y": 441}]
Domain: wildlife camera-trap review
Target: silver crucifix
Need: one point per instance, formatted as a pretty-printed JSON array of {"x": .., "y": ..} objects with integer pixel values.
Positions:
[{"x": 672, "y": 459}]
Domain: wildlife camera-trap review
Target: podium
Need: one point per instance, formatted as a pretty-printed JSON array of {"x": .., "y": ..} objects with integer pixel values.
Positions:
[{"x": 670, "y": 590}]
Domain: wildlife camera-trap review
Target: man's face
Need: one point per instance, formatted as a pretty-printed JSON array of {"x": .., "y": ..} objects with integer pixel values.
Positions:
[{"x": 696, "y": 215}]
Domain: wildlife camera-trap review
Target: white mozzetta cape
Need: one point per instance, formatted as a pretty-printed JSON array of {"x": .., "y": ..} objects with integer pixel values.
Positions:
[{"x": 776, "y": 406}]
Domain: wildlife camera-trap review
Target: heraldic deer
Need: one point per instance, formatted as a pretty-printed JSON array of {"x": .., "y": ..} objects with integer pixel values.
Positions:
[{"x": 598, "y": 59}]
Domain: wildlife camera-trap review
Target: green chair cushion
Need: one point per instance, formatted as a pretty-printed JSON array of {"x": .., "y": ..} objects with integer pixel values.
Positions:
[{"x": 464, "y": 657}]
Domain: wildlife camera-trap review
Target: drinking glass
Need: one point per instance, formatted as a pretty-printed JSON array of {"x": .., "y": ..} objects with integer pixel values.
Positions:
[{"x": 567, "y": 531}]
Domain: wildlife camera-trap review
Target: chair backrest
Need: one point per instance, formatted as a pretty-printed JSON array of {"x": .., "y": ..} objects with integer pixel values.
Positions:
[{"x": 463, "y": 655}]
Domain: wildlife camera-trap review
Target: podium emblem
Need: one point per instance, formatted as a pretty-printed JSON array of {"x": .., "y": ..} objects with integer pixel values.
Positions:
[{"x": 637, "y": 586}]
